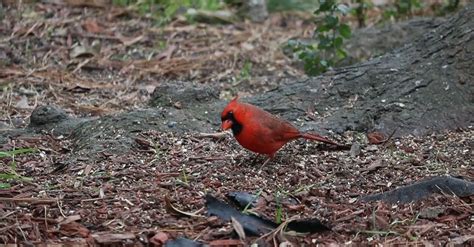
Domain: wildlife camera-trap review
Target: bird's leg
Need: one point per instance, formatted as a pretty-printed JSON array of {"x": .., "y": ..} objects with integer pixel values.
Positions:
[{"x": 266, "y": 161}]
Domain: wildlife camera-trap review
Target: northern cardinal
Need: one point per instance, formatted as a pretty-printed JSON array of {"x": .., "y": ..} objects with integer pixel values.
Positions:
[{"x": 259, "y": 131}]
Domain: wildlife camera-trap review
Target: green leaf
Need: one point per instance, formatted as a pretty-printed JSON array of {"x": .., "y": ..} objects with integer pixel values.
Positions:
[
  {"x": 337, "y": 42},
  {"x": 325, "y": 5},
  {"x": 345, "y": 31},
  {"x": 5, "y": 185},
  {"x": 311, "y": 69},
  {"x": 8, "y": 176},
  {"x": 292, "y": 42},
  {"x": 324, "y": 63},
  {"x": 322, "y": 29},
  {"x": 17, "y": 151},
  {"x": 324, "y": 43},
  {"x": 344, "y": 9},
  {"x": 341, "y": 53},
  {"x": 303, "y": 55},
  {"x": 331, "y": 21}
]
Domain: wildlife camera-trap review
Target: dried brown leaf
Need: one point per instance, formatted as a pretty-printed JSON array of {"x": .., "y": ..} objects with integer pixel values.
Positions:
[
  {"x": 238, "y": 228},
  {"x": 226, "y": 242},
  {"x": 159, "y": 239},
  {"x": 376, "y": 137},
  {"x": 74, "y": 229},
  {"x": 172, "y": 209},
  {"x": 91, "y": 26},
  {"x": 104, "y": 238}
]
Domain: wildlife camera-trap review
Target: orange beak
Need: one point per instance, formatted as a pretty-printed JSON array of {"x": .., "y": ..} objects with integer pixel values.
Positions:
[{"x": 227, "y": 124}]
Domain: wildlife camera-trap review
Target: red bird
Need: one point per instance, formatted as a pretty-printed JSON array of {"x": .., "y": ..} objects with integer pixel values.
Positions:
[{"x": 259, "y": 131}]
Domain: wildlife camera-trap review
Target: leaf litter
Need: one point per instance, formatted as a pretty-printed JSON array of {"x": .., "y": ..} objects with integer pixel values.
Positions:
[{"x": 123, "y": 198}]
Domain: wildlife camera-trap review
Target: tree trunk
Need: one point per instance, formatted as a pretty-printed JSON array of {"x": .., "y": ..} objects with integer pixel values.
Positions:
[{"x": 424, "y": 86}]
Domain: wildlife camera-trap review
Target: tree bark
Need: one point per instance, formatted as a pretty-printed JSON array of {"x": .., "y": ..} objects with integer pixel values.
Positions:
[{"x": 421, "y": 87}]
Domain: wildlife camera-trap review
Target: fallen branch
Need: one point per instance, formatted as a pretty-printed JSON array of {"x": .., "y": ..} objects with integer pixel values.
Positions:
[{"x": 30, "y": 200}]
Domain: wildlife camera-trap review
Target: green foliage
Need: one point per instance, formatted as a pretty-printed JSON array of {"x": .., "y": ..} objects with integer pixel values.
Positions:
[
  {"x": 9, "y": 174},
  {"x": 255, "y": 198},
  {"x": 12, "y": 153},
  {"x": 402, "y": 8},
  {"x": 164, "y": 10},
  {"x": 184, "y": 177},
  {"x": 449, "y": 6},
  {"x": 330, "y": 33},
  {"x": 279, "y": 208}
]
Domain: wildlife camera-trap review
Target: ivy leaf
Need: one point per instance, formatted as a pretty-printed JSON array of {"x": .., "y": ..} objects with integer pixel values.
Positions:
[
  {"x": 337, "y": 42},
  {"x": 324, "y": 42},
  {"x": 322, "y": 29},
  {"x": 344, "y": 9},
  {"x": 324, "y": 63},
  {"x": 345, "y": 31},
  {"x": 325, "y": 5},
  {"x": 341, "y": 53},
  {"x": 303, "y": 55},
  {"x": 331, "y": 21}
]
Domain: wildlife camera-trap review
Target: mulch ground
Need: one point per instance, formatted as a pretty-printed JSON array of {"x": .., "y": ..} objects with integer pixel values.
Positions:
[{"x": 93, "y": 61}]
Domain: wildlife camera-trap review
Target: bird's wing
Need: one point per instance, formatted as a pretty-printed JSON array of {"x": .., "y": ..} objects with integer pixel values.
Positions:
[{"x": 280, "y": 129}]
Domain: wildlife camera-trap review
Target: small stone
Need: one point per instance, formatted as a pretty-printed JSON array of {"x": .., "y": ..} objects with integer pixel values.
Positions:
[
  {"x": 355, "y": 149},
  {"x": 47, "y": 114}
]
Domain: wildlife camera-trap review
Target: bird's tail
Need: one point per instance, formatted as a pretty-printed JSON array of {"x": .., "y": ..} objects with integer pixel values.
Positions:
[{"x": 316, "y": 137}]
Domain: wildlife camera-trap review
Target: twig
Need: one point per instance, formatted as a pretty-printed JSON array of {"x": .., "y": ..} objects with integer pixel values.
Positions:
[
  {"x": 94, "y": 199},
  {"x": 280, "y": 228},
  {"x": 45, "y": 217},
  {"x": 9, "y": 227},
  {"x": 201, "y": 233},
  {"x": 79, "y": 66},
  {"x": 6, "y": 215},
  {"x": 59, "y": 203},
  {"x": 32, "y": 200},
  {"x": 388, "y": 138}
]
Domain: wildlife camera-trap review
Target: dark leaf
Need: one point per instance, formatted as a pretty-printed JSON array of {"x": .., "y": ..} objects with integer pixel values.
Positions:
[
  {"x": 345, "y": 31},
  {"x": 331, "y": 21}
]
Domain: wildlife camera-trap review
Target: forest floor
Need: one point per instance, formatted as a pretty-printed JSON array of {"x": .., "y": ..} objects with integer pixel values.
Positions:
[{"x": 96, "y": 61}]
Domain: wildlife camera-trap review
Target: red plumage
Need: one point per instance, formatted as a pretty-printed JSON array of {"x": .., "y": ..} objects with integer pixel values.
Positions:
[{"x": 259, "y": 131}]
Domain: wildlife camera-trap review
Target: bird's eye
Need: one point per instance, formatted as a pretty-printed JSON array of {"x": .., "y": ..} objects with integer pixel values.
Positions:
[{"x": 228, "y": 116}]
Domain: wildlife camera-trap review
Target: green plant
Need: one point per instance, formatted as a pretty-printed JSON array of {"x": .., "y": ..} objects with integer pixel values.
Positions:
[
  {"x": 10, "y": 174},
  {"x": 402, "y": 8},
  {"x": 246, "y": 209},
  {"x": 184, "y": 177},
  {"x": 279, "y": 208},
  {"x": 447, "y": 7},
  {"x": 406, "y": 7},
  {"x": 330, "y": 34}
]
